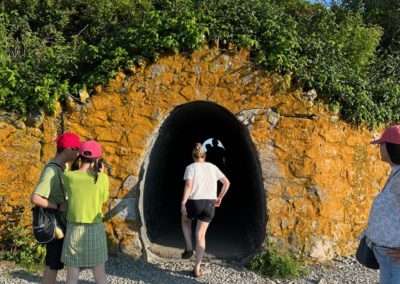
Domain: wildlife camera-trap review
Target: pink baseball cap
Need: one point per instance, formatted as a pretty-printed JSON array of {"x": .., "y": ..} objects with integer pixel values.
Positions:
[
  {"x": 391, "y": 135},
  {"x": 68, "y": 140},
  {"x": 90, "y": 149}
]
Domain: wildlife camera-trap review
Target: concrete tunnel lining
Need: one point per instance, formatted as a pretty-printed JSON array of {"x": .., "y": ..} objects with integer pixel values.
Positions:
[{"x": 238, "y": 228}]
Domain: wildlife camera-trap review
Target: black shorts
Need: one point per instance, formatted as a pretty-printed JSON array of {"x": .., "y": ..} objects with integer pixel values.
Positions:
[
  {"x": 202, "y": 209},
  {"x": 53, "y": 254}
]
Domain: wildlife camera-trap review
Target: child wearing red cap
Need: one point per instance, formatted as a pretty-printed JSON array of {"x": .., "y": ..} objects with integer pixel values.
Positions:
[
  {"x": 87, "y": 189},
  {"x": 49, "y": 193},
  {"x": 384, "y": 218}
]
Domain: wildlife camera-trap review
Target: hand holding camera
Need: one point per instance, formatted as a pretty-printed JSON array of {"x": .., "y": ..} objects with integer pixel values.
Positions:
[{"x": 101, "y": 165}]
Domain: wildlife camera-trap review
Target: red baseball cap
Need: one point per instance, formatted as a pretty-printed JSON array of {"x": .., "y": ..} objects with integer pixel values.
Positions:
[
  {"x": 90, "y": 149},
  {"x": 391, "y": 135},
  {"x": 68, "y": 140}
]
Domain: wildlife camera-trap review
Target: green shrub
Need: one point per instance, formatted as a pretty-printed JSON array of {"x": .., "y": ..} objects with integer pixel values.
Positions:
[
  {"x": 272, "y": 263},
  {"x": 50, "y": 50},
  {"x": 384, "y": 13},
  {"x": 19, "y": 246}
]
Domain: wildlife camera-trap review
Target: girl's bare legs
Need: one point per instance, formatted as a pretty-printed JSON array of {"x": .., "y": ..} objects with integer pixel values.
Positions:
[
  {"x": 201, "y": 230},
  {"x": 99, "y": 273},
  {"x": 49, "y": 276},
  {"x": 72, "y": 275},
  {"x": 187, "y": 232}
]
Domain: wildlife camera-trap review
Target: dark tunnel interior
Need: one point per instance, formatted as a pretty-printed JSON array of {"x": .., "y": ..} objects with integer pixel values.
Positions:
[{"x": 238, "y": 228}]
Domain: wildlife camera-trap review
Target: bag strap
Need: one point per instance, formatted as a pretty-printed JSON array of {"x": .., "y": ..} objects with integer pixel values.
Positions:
[{"x": 59, "y": 177}]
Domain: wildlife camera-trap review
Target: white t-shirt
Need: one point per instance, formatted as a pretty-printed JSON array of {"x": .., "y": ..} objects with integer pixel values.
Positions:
[{"x": 205, "y": 177}]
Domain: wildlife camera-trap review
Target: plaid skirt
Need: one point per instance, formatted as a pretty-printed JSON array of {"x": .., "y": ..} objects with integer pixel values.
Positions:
[{"x": 85, "y": 245}]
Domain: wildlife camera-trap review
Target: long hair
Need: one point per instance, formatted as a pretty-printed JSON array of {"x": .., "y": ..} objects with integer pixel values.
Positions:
[
  {"x": 81, "y": 160},
  {"x": 394, "y": 152}
]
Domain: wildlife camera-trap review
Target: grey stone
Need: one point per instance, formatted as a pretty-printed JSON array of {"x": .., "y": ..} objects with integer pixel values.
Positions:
[
  {"x": 197, "y": 70},
  {"x": 34, "y": 119},
  {"x": 273, "y": 118},
  {"x": 158, "y": 69},
  {"x": 133, "y": 249},
  {"x": 247, "y": 79},
  {"x": 311, "y": 95},
  {"x": 130, "y": 182},
  {"x": 247, "y": 117},
  {"x": 124, "y": 209}
]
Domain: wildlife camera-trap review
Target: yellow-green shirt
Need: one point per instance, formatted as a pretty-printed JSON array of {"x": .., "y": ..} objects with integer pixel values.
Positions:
[{"x": 85, "y": 198}]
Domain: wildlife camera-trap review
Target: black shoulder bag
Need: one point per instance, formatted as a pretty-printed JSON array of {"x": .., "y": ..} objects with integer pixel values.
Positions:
[
  {"x": 365, "y": 255},
  {"x": 45, "y": 221}
]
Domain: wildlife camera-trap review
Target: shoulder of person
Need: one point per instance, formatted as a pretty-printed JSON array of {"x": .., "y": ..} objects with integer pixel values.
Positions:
[
  {"x": 191, "y": 165},
  {"x": 51, "y": 169},
  {"x": 69, "y": 173},
  {"x": 212, "y": 165},
  {"x": 103, "y": 176},
  {"x": 55, "y": 166}
]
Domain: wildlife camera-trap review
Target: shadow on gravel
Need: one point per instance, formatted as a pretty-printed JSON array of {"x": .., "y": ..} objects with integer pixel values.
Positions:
[
  {"x": 147, "y": 272},
  {"x": 32, "y": 278},
  {"x": 23, "y": 275}
]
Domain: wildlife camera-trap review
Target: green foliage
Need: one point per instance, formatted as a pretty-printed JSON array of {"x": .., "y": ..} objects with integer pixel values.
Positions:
[
  {"x": 384, "y": 13},
  {"x": 337, "y": 53},
  {"x": 358, "y": 48},
  {"x": 382, "y": 83},
  {"x": 384, "y": 78},
  {"x": 49, "y": 50},
  {"x": 20, "y": 247},
  {"x": 272, "y": 263}
]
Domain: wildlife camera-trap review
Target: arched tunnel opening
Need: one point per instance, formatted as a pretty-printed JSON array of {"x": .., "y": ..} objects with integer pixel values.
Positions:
[{"x": 238, "y": 228}]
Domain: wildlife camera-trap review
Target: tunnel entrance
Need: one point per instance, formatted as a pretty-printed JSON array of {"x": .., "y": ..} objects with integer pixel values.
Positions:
[{"x": 238, "y": 229}]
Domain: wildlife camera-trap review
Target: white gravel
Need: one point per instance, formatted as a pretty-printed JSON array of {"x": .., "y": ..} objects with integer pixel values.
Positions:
[{"x": 122, "y": 270}]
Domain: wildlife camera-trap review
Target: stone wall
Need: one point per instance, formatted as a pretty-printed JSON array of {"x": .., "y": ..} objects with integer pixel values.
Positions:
[{"x": 320, "y": 174}]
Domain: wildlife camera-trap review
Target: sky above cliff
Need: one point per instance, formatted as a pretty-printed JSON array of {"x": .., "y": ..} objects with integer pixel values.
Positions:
[{"x": 326, "y": 2}]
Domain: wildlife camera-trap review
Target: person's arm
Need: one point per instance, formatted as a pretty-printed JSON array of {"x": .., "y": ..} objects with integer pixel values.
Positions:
[
  {"x": 186, "y": 193},
  {"x": 42, "y": 190},
  {"x": 38, "y": 200},
  {"x": 225, "y": 187}
]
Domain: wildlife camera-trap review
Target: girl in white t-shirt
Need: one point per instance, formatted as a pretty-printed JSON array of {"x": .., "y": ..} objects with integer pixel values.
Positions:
[{"x": 199, "y": 202}]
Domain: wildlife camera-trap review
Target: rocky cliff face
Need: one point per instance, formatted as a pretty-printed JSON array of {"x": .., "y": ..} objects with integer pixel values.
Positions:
[{"x": 318, "y": 174}]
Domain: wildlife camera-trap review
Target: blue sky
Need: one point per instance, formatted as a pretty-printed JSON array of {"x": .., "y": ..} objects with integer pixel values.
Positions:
[{"x": 322, "y": 1}]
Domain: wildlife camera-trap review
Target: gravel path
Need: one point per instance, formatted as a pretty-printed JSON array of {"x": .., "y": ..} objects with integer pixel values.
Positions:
[{"x": 122, "y": 271}]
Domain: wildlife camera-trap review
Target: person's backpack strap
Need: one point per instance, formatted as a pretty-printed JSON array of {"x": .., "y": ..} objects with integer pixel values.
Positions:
[
  {"x": 59, "y": 177},
  {"x": 60, "y": 221}
]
